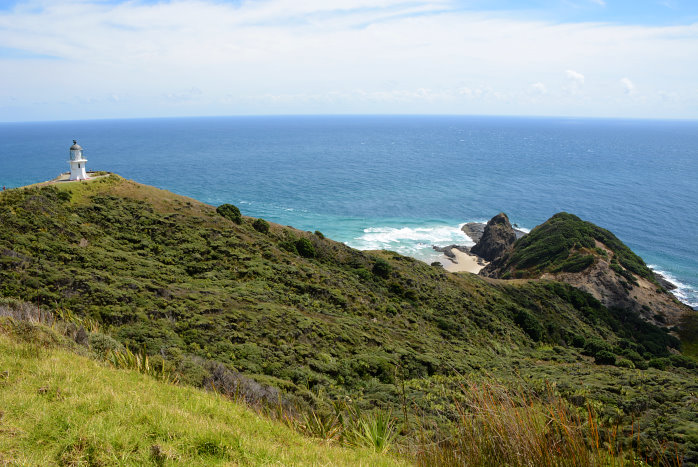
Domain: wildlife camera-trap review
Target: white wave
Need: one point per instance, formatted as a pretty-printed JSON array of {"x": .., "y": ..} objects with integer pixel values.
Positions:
[
  {"x": 684, "y": 292},
  {"x": 409, "y": 240}
]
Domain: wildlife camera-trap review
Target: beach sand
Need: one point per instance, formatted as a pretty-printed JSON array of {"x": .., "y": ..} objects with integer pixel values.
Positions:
[{"x": 466, "y": 263}]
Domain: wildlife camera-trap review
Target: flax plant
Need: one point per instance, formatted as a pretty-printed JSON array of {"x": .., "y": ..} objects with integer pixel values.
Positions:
[{"x": 140, "y": 362}]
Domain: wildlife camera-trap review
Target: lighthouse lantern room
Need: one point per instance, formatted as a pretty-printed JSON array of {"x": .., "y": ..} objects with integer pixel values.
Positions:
[{"x": 77, "y": 163}]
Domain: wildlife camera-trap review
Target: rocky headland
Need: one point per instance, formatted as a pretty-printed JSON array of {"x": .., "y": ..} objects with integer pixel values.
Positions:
[{"x": 592, "y": 259}]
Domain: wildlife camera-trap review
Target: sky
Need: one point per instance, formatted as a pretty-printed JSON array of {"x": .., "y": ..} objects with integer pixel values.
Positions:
[{"x": 89, "y": 59}]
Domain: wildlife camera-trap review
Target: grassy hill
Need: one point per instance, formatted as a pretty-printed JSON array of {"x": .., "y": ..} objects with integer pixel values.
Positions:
[
  {"x": 276, "y": 313},
  {"x": 60, "y": 408}
]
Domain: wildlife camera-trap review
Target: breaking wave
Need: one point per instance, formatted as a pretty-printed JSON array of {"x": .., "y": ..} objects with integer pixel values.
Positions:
[
  {"x": 410, "y": 241},
  {"x": 684, "y": 292}
]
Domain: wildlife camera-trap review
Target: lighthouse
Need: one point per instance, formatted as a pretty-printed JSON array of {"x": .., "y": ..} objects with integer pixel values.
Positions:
[{"x": 77, "y": 163}]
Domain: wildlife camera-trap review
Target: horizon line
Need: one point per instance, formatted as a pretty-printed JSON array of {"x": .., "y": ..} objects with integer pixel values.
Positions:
[{"x": 339, "y": 115}]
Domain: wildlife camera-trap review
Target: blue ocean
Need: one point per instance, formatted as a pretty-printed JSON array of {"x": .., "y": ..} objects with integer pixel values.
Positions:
[{"x": 403, "y": 183}]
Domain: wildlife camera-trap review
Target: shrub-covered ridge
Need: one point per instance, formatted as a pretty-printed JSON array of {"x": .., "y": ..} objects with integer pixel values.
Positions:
[{"x": 559, "y": 244}]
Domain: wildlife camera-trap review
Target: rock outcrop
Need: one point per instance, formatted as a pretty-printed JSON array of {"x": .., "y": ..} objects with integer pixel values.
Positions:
[
  {"x": 474, "y": 230},
  {"x": 448, "y": 250},
  {"x": 652, "y": 302},
  {"x": 497, "y": 238}
]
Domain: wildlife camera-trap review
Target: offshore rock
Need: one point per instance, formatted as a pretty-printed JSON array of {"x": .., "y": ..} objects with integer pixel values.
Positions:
[{"x": 497, "y": 238}]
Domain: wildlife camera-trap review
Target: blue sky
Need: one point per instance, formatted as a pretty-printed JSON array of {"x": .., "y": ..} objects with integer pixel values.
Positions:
[{"x": 83, "y": 59}]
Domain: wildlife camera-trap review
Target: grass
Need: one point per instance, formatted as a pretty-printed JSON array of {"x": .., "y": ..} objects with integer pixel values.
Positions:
[{"x": 59, "y": 408}]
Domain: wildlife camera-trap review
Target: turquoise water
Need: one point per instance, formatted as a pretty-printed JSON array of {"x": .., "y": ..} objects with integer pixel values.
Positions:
[{"x": 403, "y": 183}]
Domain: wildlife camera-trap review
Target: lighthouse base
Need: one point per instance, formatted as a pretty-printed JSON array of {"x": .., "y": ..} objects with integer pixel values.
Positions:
[{"x": 77, "y": 170}]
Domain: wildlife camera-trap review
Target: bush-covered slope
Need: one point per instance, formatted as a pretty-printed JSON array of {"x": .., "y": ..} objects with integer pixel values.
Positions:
[{"x": 312, "y": 317}]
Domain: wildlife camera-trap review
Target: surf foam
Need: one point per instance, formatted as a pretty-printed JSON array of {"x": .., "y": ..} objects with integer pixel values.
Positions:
[
  {"x": 684, "y": 292},
  {"x": 410, "y": 241}
]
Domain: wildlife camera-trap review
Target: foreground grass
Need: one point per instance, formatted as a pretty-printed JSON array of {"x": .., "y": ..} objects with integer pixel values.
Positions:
[{"x": 59, "y": 408}]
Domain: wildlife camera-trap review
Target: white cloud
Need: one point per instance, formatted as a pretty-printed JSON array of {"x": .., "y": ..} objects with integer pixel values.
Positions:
[
  {"x": 598, "y": 2},
  {"x": 575, "y": 82},
  {"x": 216, "y": 58},
  {"x": 575, "y": 77},
  {"x": 539, "y": 88},
  {"x": 628, "y": 86}
]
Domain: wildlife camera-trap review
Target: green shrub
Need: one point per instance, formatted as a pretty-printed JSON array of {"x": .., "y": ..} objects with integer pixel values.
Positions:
[
  {"x": 578, "y": 341},
  {"x": 374, "y": 430},
  {"x": 289, "y": 245},
  {"x": 102, "y": 343},
  {"x": 305, "y": 248},
  {"x": 641, "y": 365},
  {"x": 604, "y": 357},
  {"x": 659, "y": 363},
  {"x": 319, "y": 234},
  {"x": 624, "y": 363},
  {"x": 230, "y": 212},
  {"x": 529, "y": 324},
  {"x": 631, "y": 355},
  {"x": 594, "y": 346},
  {"x": 575, "y": 263},
  {"x": 682, "y": 361},
  {"x": 64, "y": 195},
  {"x": 363, "y": 273},
  {"x": 260, "y": 225},
  {"x": 381, "y": 268}
]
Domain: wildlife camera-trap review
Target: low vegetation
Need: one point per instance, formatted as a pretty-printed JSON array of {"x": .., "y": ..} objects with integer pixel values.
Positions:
[{"x": 284, "y": 318}]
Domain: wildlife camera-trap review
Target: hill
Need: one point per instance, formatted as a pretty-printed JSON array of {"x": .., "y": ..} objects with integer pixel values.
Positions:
[
  {"x": 244, "y": 306},
  {"x": 567, "y": 249}
]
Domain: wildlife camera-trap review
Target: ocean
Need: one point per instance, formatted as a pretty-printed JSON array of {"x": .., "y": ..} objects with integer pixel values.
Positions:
[{"x": 403, "y": 183}]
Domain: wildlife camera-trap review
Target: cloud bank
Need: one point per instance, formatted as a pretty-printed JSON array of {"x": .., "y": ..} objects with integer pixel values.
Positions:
[{"x": 91, "y": 59}]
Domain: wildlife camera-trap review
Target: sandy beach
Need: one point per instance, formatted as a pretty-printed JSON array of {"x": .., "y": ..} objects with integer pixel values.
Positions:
[{"x": 466, "y": 263}]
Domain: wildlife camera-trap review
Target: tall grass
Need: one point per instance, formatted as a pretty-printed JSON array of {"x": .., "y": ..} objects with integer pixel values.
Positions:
[
  {"x": 495, "y": 425},
  {"x": 498, "y": 426}
]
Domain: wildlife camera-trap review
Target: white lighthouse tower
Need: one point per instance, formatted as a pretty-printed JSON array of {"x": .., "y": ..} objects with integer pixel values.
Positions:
[{"x": 77, "y": 163}]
